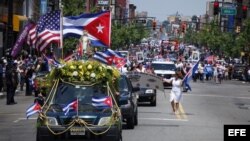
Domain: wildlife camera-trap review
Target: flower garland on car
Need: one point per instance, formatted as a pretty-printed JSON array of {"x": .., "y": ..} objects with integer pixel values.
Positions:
[{"x": 88, "y": 72}]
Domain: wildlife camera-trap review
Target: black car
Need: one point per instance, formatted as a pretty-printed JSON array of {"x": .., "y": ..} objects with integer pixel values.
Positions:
[
  {"x": 128, "y": 102},
  {"x": 147, "y": 95},
  {"x": 88, "y": 121},
  {"x": 238, "y": 71}
]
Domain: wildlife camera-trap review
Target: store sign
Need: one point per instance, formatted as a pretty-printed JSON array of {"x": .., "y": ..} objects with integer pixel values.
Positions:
[{"x": 103, "y": 2}]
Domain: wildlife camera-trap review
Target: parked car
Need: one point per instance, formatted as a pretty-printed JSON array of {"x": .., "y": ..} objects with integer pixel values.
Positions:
[
  {"x": 128, "y": 102},
  {"x": 238, "y": 71},
  {"x": 147, "y": 95},
  {"x": 88, "y": 120}
]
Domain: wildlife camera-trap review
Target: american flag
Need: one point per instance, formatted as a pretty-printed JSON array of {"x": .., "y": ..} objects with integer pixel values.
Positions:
[
  {"x": 48, "y": 29},
  {"x": 31, "y": 39}
]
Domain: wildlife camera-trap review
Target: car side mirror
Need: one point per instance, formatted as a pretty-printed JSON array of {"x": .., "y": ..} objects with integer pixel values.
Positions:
[
  {"x": 135, "y": 89},
  {"x": 40, "y": 100}
]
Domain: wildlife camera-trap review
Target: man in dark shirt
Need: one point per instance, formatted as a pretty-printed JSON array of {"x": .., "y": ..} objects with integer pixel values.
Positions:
[
  {"x": 1, "y": 75},
  {"x": 11, "y": 82}
]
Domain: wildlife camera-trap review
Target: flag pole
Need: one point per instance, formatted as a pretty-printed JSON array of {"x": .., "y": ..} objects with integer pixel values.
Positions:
[
  {"x": 77, "y": 104},
  {"x": 61, "y": 26},
  {"x": 110, "y": 22}
]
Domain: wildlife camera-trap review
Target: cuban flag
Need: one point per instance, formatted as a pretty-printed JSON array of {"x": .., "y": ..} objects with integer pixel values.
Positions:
[
  {"x": 52, "y": 61},
  {"x": 72, "y": 105},
  {"x": 98, "y": 26},
  {"x": 189, "y": 75},
  {"x": 102, "y": 102},
  {"x": 34, "y": 108},
  {"x": 110, "y": 57},
  {"x": 103, "y": 57}
]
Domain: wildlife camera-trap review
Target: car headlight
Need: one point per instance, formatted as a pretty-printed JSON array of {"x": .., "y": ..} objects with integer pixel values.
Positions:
[
  {"x": 149, "y": 91},
  {"x": 104, "y": 121},
  {"x": 51, "y": 121}
]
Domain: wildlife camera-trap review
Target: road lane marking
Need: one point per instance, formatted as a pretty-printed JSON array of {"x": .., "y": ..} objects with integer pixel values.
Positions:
[
  {"x": 218, "y": 96},
  {"x": 177, "y": 115},
  {"x": 163, "y": 119},
  {"x": 19, "y": 119},
  {"x": 182, "y": 112}
]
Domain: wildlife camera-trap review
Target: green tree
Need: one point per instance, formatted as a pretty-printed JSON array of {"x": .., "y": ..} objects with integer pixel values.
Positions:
[
  {"x": 243, "y": 39},
  {"x": 124, "y": 35}
]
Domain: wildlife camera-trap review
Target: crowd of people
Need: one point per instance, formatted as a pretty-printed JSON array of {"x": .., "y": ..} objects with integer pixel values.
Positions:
[{"x": 17, "y": 74}]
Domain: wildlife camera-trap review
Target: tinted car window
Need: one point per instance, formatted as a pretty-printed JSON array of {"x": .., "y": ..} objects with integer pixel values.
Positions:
[
  {"x": 67, "y": 93},
  {"x": 123, "y": 87},
  {"x": 164, "y": 67}
]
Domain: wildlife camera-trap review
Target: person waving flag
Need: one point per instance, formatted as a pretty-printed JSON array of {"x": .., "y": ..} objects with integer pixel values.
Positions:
[{"x": 189, "y": 75}]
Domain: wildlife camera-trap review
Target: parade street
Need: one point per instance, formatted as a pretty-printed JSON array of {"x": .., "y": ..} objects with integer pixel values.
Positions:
[{"x": 202, "y": 114}]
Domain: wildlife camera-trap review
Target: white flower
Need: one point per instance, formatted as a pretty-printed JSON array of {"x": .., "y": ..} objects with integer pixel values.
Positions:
[
  {"x": 92, "y": 75},
  {"x": 75, "y": 73}
]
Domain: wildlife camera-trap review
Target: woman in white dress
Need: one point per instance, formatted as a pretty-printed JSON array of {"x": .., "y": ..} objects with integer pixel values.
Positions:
[{"x": 176, "y": 91}]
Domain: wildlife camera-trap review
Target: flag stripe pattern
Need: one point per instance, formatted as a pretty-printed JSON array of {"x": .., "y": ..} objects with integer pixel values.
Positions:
[
  {"x": 110, "y": 57},
  {"x": 96, "y": 24},
  {"x": 189, "y": 75},
  {"x": 48, "y": 29},
  {"x": 31, "y": 39},
  {"x": 102, "y": 102},
  {"x": 34, "y": 108},
  {"x": 73, "y": 105}
]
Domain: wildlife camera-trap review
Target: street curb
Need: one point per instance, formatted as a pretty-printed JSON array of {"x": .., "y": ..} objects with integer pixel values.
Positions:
[{"x": 2, "y": 95}]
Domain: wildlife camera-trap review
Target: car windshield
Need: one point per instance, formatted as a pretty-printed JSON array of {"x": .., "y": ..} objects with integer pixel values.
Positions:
[
  {"x": 123, "y": 85},
  {"x": 164, "y": 66},
  {"x": 67, "y": 93}
]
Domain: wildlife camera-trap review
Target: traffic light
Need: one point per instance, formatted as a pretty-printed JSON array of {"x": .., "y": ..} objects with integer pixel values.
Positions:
[
  {"x": 154, "y": 25},
  {"x": 216, "y": 7},
  {"x": 244, "y": 11},
  {"x": 237, "y": 29}
]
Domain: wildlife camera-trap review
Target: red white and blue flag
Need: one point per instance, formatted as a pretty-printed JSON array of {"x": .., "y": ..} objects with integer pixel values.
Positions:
[
  {"x": 110, "y": 57},
  {"x": 98, "y": 26},
  {"x": 189, "y": 75},
  {"x": 102, "y": 102},
  {"x": 34, "y": 108},
  {"x": 72, "y": 105},
  {"x": 48, "y": 29}
]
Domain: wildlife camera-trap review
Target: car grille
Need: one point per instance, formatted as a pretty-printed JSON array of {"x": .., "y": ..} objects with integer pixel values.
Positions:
[{"x": 66, "y": 121}]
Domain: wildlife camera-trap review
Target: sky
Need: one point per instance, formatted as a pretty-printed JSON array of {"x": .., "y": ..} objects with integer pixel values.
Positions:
[{"x": 161, "y": 9}]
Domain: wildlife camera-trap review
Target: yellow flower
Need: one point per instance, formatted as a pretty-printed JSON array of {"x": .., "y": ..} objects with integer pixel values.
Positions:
[
  {"x": 100, "y": 68},
  {"x": 89, "y": 67},
  {"x": 87, "y": 73},
  {"x": 80, "y": 67},
  {"x": 72, "y": 67}
]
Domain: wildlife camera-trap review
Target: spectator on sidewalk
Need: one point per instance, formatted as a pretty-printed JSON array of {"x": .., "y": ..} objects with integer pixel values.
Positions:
[
  {"x": 11, "y": 82},
  {"x": 1, "y": 75}
]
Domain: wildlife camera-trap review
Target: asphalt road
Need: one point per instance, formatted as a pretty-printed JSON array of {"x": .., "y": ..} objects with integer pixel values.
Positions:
[{"x": 203, "y": 113}]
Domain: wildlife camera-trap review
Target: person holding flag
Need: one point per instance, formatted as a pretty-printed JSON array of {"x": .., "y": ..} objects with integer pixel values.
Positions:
[{"x": 176, "y": 91}]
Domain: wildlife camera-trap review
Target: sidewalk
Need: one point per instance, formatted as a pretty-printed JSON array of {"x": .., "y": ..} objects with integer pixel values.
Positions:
[{"x": 2, "y": 95}]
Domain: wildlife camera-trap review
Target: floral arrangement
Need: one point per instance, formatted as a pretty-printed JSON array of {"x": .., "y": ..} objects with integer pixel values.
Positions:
[{"x": 85, "y": 73}]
